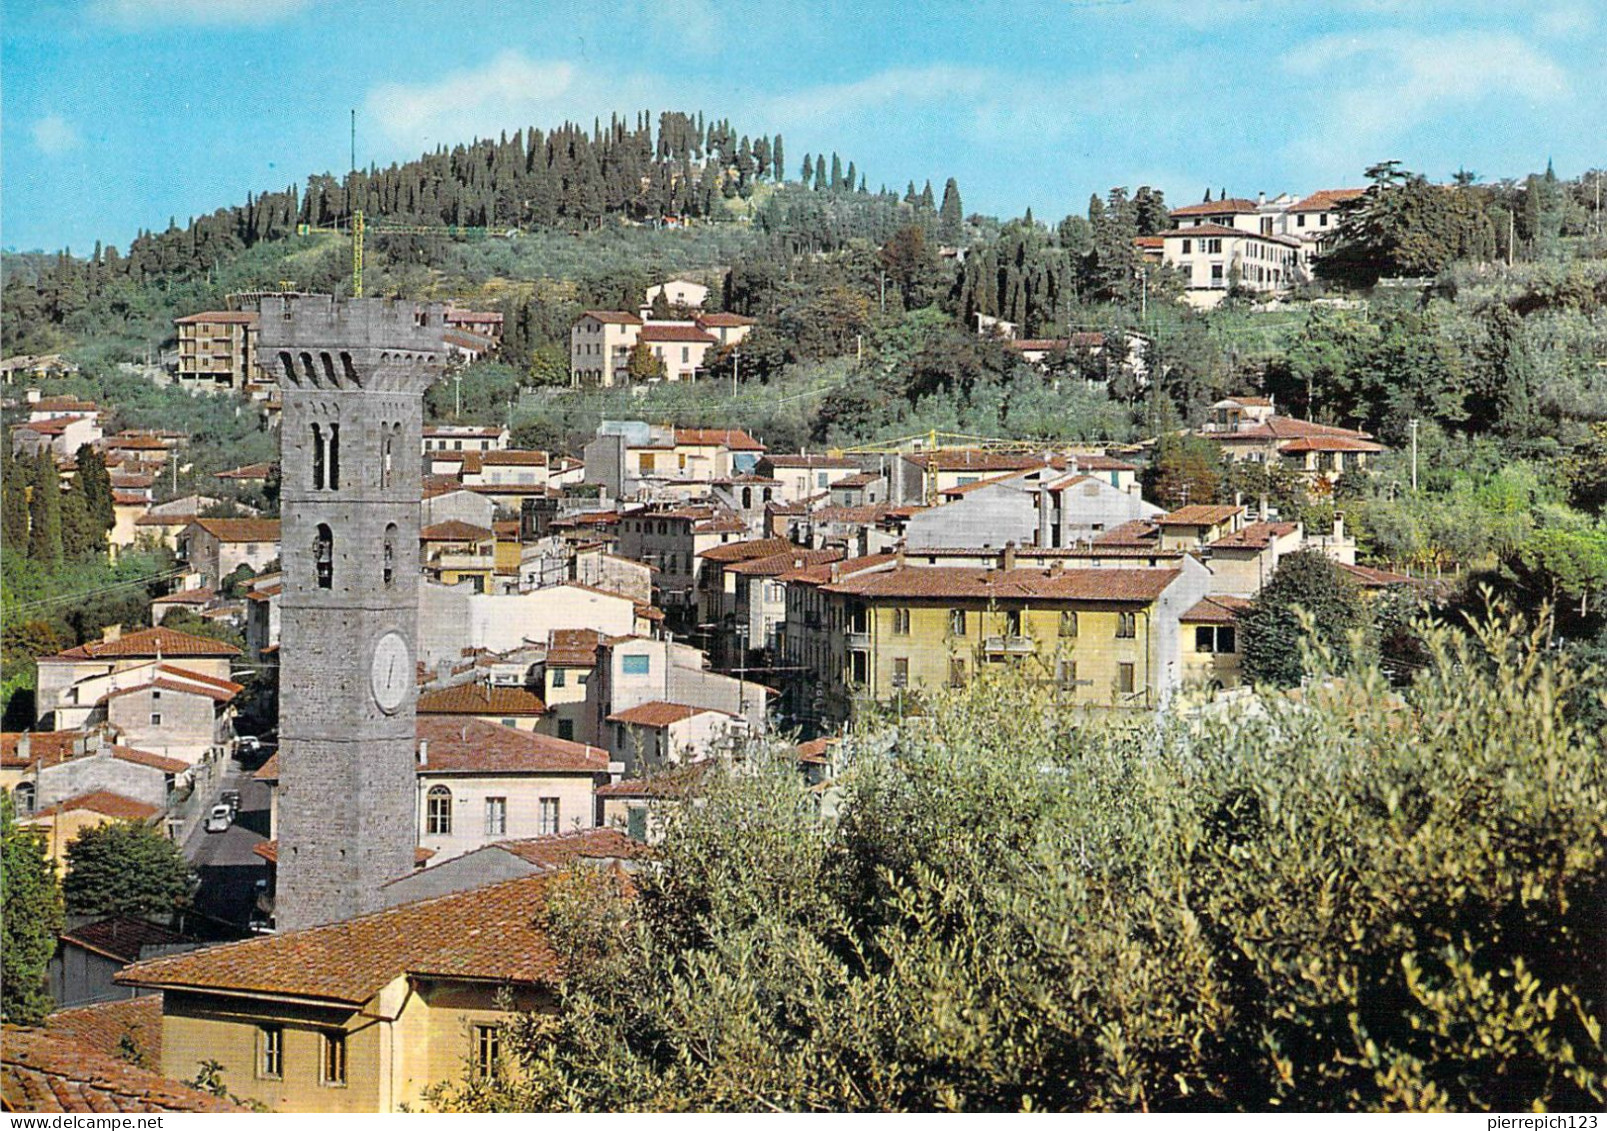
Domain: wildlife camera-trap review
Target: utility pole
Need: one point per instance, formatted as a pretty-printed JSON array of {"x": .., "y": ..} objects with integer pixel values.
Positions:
[
  {"x": 1414, "y": 455},
  {"x": 457, "y": 396},
  {"x": 736, "y": 357}
]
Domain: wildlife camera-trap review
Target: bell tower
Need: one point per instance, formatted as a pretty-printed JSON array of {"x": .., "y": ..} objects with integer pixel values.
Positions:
[{"x": 352, "y": 377}]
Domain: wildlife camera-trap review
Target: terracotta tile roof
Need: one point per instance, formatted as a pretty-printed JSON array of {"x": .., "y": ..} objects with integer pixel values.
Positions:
[
  {"x": 669, "y": 784},
  {"x": 455, "y": 531},
  {"x": 724, "y": 524},
  {"x": 862, "y": 516},
  {"x": 655, "y": 333},
  {"x": 514, "y": 458},
  {"x": 618, "y": 317},
  {"x": 733, "y": 552},
  {"x": 1215, "y": 610},
  {"x": 147, "y": 758},
  {"x": 249, "y": 471},
  {"x": 1199, "y": 514},
  {"x": 778, "y": 564},
  {"x": 809, "y": 461},
  {"x": 661, "y": 714},
  {"x": 46, "y": 1071},
  {"x": 123, "y": 498},
  {"x": 133, "y": 480},
  {"x": 814, "y": 751},
  {"x": 960, "y": 583},
  {"x": 481, "y": 699},
  {"x": 462, "y": 432},
  {"x": 103, "y": 1026},
  {"x": 102, "y": 801},
  {"x": 63, "y": 404},
  {"x": 48, "y": 745},
  {"x": 1215, "y": 207},
  {"x": 1324, "y": 200},
  {"x": 990, "y": 481},
  {"x": 1149, "y": 243},
  {"x": 572, "y": 648},
  {"x": 180, "y": 681},
  {"x": 469, "y": 746},
  {"x": 135, "y": 443},
  {"x": 820, "y": 573},
  {"x": 269, "y": 849},
  {"x": 1256, "y": 536},
  {"x": 1138, "y": 533},
  {"x": 473, "y": 316},
  {"x": 721, "y": 318},
  {"x": 1224, "y": 230},
  {"x": 120, "y": 937},
  {"x": 200, "y": 596},
  {"x": 1330, "y": 444},
  {"x": 1284, "y": 428},
  {"x": 440, "y": 484},
  {"x": 1247, "y": 402},
  {"x": 53, "y": 427},
  {"x": 733, "y": 439},
  {"x": 1371, "y": 578},
  {"x": 489, "y": 934},
  {"x": 559, "y": 850},
  {"x": 241, "y": 529},
  {"x": 233, "y": 317}
]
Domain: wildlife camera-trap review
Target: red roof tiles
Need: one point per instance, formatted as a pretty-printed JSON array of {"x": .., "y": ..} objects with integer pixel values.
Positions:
[
  {"x": 481, "y": 699},
  {"x": 47, "y": 1071},
  {"x": 661, "y": 714},
  {"x": 241, "y": 529},
  {"x": 471, "y": 746},
  {"x": 1127, "y": 586}
]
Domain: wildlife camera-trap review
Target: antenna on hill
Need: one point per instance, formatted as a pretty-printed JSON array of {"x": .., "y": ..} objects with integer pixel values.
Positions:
[{"x": 354, "y": 141}]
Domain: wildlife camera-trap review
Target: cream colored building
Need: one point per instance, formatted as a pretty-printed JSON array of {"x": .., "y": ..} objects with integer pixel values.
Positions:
[
  {"x": 116, "y": 653},
  {"x": 677, "y": 292},
  {"x": 600, "y": 343},
  {"x": 363, "y": 1015},
  {"x": 218, "y": 349}
]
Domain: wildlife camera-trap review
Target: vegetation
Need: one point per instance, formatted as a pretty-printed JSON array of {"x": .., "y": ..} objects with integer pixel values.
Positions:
[
  {"x": 33, "y": 915},
  {"x": 1307, "y": 598},
  {"x": 126, "y": 868},
  {"x": 1353, "y": 899}
]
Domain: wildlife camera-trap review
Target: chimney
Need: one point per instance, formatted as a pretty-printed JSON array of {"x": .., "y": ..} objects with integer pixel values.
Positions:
[
  {"x": 836, "y": 572},
  {"x": 1238, "y": 498},
  {"x": 898, "y": 557},
  {"x": 111, "y": 633},
  {"x": 1007, "y": 560},
  {"x": 424, "y": 752},
  {"x": 1057, "y": 567},
  {"x": 25, "y": 748},
  {"x": 1260, "y": 198},
  {"x": 1339, "y": 527},
  {"x": 1262, "y": 511}
]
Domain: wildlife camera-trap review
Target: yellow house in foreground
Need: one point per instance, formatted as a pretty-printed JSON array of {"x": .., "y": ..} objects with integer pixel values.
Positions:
[{"x": 359, "y": 1016}]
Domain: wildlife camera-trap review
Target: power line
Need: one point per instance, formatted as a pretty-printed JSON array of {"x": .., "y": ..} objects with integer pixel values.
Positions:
[{"x": 82, "y": 594}]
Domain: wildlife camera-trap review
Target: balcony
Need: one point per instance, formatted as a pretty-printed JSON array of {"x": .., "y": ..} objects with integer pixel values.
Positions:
[
  {"x": 857, "y": 641},
  {"x": 1009, "y": 645}
]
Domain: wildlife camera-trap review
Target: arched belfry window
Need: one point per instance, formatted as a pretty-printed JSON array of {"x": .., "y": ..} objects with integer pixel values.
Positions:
[
  {"x": 390, "y": 555},
  {"x": 323, "y": 556},
  {"x": 387, "y": 445},
  {"x": 317, "y": 458},
  {"x": 334, "y": 457}
]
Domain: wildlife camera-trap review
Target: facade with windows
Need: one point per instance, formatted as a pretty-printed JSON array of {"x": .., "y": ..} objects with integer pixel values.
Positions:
[{"x": 359, "y": 1016}]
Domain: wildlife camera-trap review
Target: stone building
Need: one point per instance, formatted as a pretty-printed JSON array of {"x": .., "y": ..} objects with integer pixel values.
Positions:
[{"x": 353, "y": 375}]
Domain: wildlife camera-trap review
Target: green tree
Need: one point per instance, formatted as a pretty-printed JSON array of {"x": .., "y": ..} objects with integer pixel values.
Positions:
[
  {"x": 951, "y": 215},
  {"x": 643, "y": 365},
  {"x": 1404, "y": 226},
  {"x": 44, "y": 512},
  {"x": 15, "y": 477},
  {"x": 33, "y": 915},
  {"x": 1272, "y": 630},
  {"x": 1572, "y": 557},
  {"x": 1186, "y": 469},
  {"x": 1356, "y": 898},
  {"x": 126, "y": 868}
]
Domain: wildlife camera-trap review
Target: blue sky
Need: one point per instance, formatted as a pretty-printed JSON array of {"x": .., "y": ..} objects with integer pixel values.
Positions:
[{"x": 118, "y": 114}]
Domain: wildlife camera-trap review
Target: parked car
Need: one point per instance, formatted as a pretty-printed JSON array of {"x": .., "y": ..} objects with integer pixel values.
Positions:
[
  {"x": 247, "y": 744},
  {"x": 219, "y": 819},
  {"x": 231, "y": 798}
]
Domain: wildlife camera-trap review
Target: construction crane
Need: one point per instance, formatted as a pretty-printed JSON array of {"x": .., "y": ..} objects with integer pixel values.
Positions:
[{"x": 360, "y": 229}]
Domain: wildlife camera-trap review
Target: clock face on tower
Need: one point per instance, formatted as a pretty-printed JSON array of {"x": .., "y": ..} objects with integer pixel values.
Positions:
[{"x": 391, "y": 672}]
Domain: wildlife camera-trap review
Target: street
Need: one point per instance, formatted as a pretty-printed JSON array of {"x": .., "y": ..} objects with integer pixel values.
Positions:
[{"x": 228, "y": 868}]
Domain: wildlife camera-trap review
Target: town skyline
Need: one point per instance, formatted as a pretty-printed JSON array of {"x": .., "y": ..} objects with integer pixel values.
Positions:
[{"x": 104, "y": 108}]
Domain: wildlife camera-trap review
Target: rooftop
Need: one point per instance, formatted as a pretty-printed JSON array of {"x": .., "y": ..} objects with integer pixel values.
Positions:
[
  {"x": 661, "y": 714},
  {"x": 241, "y": 529},
  {"x": 48, "y": 1070},
  {"x": 1200, "y": 514},
  {"x": 481, "y": 699},
  {"x": 463, "y": 745},
  {"x": 1216, "y": 207},
  {"x": 102, "y": 801},
  {"x": 1127, "y": 586},
  {"x": 455, "y": 531},
  {"x": 734, "y": 439},
  {"x": 487, "y": 934}
]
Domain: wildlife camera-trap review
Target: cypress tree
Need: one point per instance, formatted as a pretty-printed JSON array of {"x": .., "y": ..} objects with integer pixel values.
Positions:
[
  {"x": 778, "y": 160},
  {"x": 836, "y": 172},
  {"x": 807, "y": 174},
  {"x": 44, "y": 512},
  {"x": 820, "y": 173},
  {"x": 14, "y": 479},
  {"x": 951, "y": 216},
  {"x": 96, "y": 483}
]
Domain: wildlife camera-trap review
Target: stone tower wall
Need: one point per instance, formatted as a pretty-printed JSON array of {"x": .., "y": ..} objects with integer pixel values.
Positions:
[{"x": 356, "y": 371}]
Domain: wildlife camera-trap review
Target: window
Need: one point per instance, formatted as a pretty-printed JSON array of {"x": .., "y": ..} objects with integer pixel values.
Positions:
[
  {"x": 317, "y": 458},
  {"x": 636, "y": 822},
  {"x": 334, "y": 1068},
  {"x": 1124, "y": 678},
  {"x": 270, "y": 1052},
  {"x": 956, "y": 673},
  {"x": 1216, "y": 273},
  {"x": 1188, "y": 247},
  {"x": 156, "y": 694},
  {"x": 1126, "y": 626},
  {"x": 156, "y": 718},
  {"x": 323, "y": 556},
  {"x": 389, "y": 555},
  {"x": 496, "y": 816},
  {"x": 1068, "y": 623},
  {"x": 1012, "y": 622},
  {"x": 901, "y": 672},
  {"x": 438, "y": 811},
  {"x": 956, "y": 622},
  {"x": 334, "y": 457},
  {"x": 547, "y": 816},
  {"x": 822, "y": 479},
  {"x": 1066, "y": 673},
  {"x": 566, "y": 729},
  {"x": 901, "y": 622},
  {"x": 559, "y": 677},
  {"x": 24, "y": 796},
  {"x": 1300, "y": 220},
  {"x": 1220, "y": 638},
  {"x": 636, "y": 665},
  {"x": 487, "y": 1051}
]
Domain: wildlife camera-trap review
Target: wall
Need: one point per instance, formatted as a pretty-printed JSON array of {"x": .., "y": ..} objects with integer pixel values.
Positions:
[
  {"x": 78, "y": 776},
  {"x": 988, "y": 516},
  {"x": 454, "y": 618},
  {"x": 576, "y": 808},
  {"x": 189, "y": 727}
]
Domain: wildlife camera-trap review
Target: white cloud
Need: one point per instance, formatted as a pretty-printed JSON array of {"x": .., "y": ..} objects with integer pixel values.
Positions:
[
  {"x": 137, "y": 14},
  {"x": 1372, "y": 88},
  {"x": 53, "y": 135},
  {"x": 900, "y": 86},
  {"x": 506, "y": 93}
]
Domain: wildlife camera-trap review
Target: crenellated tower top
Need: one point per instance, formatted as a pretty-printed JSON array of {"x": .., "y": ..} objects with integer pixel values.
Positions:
[{"x": 379, "y": 345}]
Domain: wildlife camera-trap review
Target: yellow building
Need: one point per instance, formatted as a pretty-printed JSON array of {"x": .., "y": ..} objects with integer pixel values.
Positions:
[
  {"x": 363, "y": 1015},
  {"x": 1211, "y": 657},
  {"x": 456, "y": 551},
  {"x": 1107, "y": 637},
  {"x": 60, "y": 823}
]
